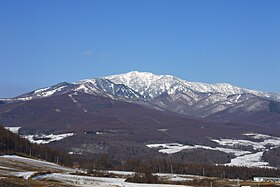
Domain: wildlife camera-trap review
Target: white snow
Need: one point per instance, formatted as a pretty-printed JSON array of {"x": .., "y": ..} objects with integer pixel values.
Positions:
[
  {"x": 171, "y": 148},
  {"x": 138, "y": 81},
  {"x": 48, "y": 92},
  {"x": 26, "y": 160},
  {"x": 249, "y": 160},
  {"x": 87, "y": 181},
  {"x": 26, "y": 175},
  {"x": 13, "y": 129},
  {"x": 259, "y": 136},
  {"x": 46, "y": 138},
  {"x": 41, "y": 90},
  {"x": 72, "y": 98},
  {"x": 126, "y": 173},
  {"x": 6, "y": 168},
  {"x": 235, "y": 143},
  {"x": 262, "y": 141},
  {"x": 243, "y": 158},
  {"x": 83, "y": 88},
  {"x": 21, "y": 163},
  {"x": 151, "y": 185},
  {"x": 152, "y": 85},
  {"x": 23, "y": 99}
]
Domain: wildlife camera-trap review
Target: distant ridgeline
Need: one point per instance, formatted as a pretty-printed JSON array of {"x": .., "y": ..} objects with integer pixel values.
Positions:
[{"x": 11, "y": 143}]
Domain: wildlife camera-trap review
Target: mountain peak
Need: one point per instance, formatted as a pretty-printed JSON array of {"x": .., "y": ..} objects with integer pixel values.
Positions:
[
  {"x": 139, "y": 81},
  {"x": 152, "y": 85},
  {"x": 160, "y": 91},
  {"x": 143, "y": 85}
]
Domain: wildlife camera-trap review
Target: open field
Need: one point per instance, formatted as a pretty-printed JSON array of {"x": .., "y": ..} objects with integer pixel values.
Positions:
[{"x": 20, "y": 171}]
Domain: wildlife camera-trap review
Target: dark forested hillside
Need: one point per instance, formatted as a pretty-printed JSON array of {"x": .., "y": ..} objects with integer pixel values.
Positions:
[
  {"x": 272, "y": 156},
  {"x": 11, "y": 143}
]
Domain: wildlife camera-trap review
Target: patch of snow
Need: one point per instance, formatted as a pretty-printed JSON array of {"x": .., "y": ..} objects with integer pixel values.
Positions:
[
  {"x": 83, "y": 88},
  {"x": 243, "y": 158},
  {"x": 46, "y": 138},
  {"x": 81, "y": 180},
  {"x": 72, "y": 98},
  {"x": 13, "y": 129},
  {"x": 259, "y": 136},
  {"x": 26, "y": 175},
  {"x": 88, "y": 181},
  {"x": 171, "y": 148},
  {"x": 236, "y": 143},
  {"x": 260, "y": 145},
  {"x": 126, "y": 184},
  {"x": 126, "y": 173},
  {"x": 6, "y": 168},
  {"x": 249, "y": 160},
  {"x": 24, "y": 98},
  {"x": 41, "y": 90},
  {"x": 25, "y": 159},
  {"x": 33, "y": 163},
  {"x": 180, "y": 179},
  {"x": 50, "y": 92},
  {"x": 57, "y": 110}
]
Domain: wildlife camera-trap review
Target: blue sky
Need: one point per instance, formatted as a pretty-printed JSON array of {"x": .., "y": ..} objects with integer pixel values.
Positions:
[{"x": 46, "y": 42}]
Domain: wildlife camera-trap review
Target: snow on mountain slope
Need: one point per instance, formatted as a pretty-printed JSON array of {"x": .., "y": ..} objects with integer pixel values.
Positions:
[
  {"x": 193, "y": 98},
  {"x": 106, "y": 87},
  {"x": 152, "y": 85},
  {"x": 163, "y": 91},
  {"x": 140, "y": 85},
  {"x": 97, "y": 86},
  {"x": 60, "y": 88},
  {"x": 138, "y": 81}
]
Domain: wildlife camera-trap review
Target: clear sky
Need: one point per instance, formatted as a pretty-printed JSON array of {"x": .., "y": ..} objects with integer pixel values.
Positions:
[{"x": 46, "y": 42}]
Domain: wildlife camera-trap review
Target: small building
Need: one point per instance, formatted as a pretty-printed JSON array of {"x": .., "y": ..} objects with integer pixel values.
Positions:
[{"x": 266, "y": 179}]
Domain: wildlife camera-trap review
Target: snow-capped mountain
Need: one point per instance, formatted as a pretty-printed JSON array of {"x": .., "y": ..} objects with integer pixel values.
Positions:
[
  {"x": 98, "y": 86},
  {"x": 151, "y": 85},
  {"x": 165, "y": 92},
  {"x": 193, "y": 98}
]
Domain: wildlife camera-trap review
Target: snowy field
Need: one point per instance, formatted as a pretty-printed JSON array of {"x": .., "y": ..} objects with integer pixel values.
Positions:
[
  {"x": 12, "y": 165},
  {"x": 259, "y": 143},
  {"x": 249, "y": 160},
  {"x": 87, "y": 181},
  {"x": 46, "y": 138},
  {"x": 13, "y": 129},
  {"x": 40, "y": 138},
  {"x": 171, "y": 148}
]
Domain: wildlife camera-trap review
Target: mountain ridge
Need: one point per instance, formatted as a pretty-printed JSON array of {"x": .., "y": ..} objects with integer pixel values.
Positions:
[
  {"x": 166, "y": 92},
  {"x": 146, "y": 79},
  {"x": 225, "y": 88}
]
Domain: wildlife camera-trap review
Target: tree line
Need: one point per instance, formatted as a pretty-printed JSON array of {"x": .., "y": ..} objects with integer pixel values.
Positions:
[
  {"x": 167, "y": 165},
  {"x": 11, "y": 143}
]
